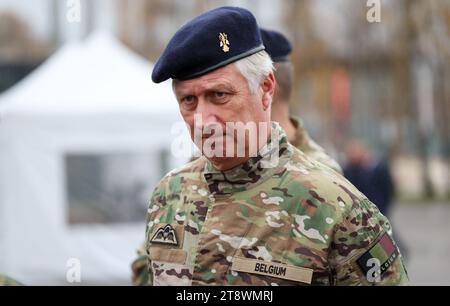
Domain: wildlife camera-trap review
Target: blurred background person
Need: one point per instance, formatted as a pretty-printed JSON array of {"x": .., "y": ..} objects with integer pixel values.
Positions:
[
  {"x": 370, "y": 174},
  {"x": 356, "y": 169},
  {"x": 279, "y": 48},
  {"x": 381, "y": 186}
]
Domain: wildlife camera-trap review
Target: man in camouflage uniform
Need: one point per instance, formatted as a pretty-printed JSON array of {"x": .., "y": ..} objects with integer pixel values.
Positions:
[
  {"x": 247, "y": 220},
  {"x": 279, "y": 49}
]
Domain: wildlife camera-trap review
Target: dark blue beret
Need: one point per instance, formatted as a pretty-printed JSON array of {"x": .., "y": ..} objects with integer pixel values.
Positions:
[
  {"x": 208, "y": 42},
  {"x": 277, "y": 45}
]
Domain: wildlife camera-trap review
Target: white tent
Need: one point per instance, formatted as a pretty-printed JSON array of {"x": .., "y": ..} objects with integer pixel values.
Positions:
[{"x": 94, "y": 97}]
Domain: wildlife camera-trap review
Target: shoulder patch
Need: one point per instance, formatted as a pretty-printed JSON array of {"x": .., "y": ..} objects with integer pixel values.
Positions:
[
  {"x": 165, "y": 235},
  {"x": 379, "y": 257}
]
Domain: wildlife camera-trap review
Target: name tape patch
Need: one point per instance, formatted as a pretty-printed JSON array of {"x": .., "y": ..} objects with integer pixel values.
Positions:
[{"x": 272, "y": 269}]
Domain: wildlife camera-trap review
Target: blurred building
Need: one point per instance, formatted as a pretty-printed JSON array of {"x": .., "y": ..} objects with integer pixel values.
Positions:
[{"x": 386, "y": 82}]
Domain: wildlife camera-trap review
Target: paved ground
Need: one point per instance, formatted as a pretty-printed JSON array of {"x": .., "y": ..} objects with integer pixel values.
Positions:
[{"x": 424, "y": 231}]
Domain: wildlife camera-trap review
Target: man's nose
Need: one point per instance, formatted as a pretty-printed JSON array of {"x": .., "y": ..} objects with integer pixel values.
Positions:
[{"x": 208, "y": 114}]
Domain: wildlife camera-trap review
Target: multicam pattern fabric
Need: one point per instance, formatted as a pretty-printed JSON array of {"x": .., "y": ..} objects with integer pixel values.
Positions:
[
  {"x": 7, "y": 281},
  {"x": 305, "y": 143},
  {"x": 299, "y": 216},
  {"x": 302, "y": 141}
]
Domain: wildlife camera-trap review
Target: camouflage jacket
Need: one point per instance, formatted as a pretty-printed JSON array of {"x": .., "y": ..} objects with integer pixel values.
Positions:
[
  {"x": 294, "y": 224},
  {"x": 302, "y": 141},
  {"x": 305, "y": 143}
]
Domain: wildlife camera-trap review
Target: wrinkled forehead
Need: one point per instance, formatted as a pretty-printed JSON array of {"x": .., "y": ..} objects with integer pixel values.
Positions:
[{"x": 228, "y": 76}]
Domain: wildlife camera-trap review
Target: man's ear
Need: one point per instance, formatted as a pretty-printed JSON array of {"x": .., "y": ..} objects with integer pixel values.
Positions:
[{"x": 268, "y": 90}]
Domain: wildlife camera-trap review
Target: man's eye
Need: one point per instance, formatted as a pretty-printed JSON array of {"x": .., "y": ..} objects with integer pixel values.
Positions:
[
  {"x": 188, "y": 100},
  {"x": 219, "y": 94}
]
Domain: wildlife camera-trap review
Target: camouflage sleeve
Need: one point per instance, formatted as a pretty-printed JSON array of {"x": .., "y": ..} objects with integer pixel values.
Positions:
[
  {"x": 157, "y": 200},
  {"x": 363, "y": 251},
  {"x": 140, "y": 268},
  {"x": 140, "y": 273}
]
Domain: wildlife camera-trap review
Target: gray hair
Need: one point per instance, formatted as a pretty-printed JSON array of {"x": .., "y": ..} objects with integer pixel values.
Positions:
[{"x": 255, "y": 68}]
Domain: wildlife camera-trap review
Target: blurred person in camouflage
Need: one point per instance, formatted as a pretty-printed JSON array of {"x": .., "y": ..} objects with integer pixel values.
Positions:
[{"x": 279, "y": 48}]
